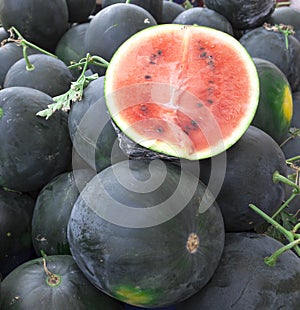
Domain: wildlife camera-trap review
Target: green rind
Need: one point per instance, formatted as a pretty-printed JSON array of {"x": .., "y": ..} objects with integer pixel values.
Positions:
[
  {"x": 223, "y": 145},
  {"x": 275, "y": 108}
]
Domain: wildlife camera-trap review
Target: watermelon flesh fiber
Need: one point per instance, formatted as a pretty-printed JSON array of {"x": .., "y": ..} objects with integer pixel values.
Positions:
[{"x": 184, "y": 91}]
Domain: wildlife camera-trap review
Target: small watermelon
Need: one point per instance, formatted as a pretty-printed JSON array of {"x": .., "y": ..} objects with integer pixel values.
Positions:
[{"x": 187, "y": 91}]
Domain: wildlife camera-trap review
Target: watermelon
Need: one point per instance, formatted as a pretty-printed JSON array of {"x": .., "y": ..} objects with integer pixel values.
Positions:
[
  {"x": 146, "y": 232},
  {"x": 275, "y": 107},
  {"x": 186, "y": 91}
]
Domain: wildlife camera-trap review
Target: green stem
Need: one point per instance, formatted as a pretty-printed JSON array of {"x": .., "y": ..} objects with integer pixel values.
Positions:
[
  {"x": 75, "y": 93},
  {"x": 292, "y": 159},
  {"x": 29, "y": 65},
  {"x": 289, "y": 235},
  {"x": 187, "y": 5},
  {"x": 286, "y": 30},
  {"x": 284, "y": 205},
  {"x": 277, "y": 177},
  {"x": 99, "y": 61},
  {"x": 271, "y": 260},
  {"x": 296, "y": 227},
  {"x": 52, "y": 278},
  {"x": 29, "y": 44},
  {"x": 127, "y": 1},
  {"x": 294, "y": 132}
]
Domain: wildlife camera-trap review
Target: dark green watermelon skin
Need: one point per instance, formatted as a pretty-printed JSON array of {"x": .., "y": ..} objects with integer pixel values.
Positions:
[
  {"x": 3, "y": 34},
  {"x": 16, "y": 211},
  {"x": 68, "y": 49},
  {"x": 296, "y": 109},
  {"x": 243, "y": 281},
  {"x": 288, "y": 16},
  {"x": 250, "y": 165},
  {"x": 52, "y": 211},
  {"x": 33, "y": 150},
  {"x": 26, "y": 288},
  {"x": 80, "y": 10},
  {"x": 138, "y": 265},
  {"x": 243, "y": 15},
  {"x": 204, "y": 17},
  {"x": 50, "y": 75},
  {"x": 49, "y": 17},
  {"x": 272, "y": 47},
  {"x": 169, "y": 12},
  {"x": 9, "y": 54},
  {"x": 112, "y": 26},
  {"x": 91, "y": 130},
  {"x": 154, "y": 7}
]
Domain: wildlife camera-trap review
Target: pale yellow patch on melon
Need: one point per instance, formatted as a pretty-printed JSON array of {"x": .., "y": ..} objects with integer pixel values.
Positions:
[{"x": 287, "y": 105}]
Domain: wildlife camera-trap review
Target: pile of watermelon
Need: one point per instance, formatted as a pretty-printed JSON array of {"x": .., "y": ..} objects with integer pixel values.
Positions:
[{"x": 149, "y": 154}]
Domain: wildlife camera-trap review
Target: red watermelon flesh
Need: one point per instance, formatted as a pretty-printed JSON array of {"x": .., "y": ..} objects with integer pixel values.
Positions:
[{"x": 184, "y": 91}]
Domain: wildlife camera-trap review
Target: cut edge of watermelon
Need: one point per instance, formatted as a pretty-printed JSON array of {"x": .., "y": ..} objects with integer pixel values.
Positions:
[{"x": 166, "y": 148}]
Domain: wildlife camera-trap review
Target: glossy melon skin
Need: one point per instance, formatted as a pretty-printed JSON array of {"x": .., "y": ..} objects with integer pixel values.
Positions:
[
  {"x": 111, "y": 26},
  {"x": 33, "y": 150},
  {"x": 243, "y": 15},
  {"x": 50, "y": 75},
  {"x": 291, "y": 146},
  {"x": 80, "y": 10},
  {"x": 40, "y": 22},
  {"x": 204, "y": 17},
  {"x": 169, "y": 12},
  {"x": 296, "y": 109},
  {"x": 9, "y": 54},
  {"x": 3, "y": 34},
  {"x": 52, "y": 211},
  {"x": 275, "y": 107},
  {"x": 16, "y": 211},
  {"x": 138, "y": 256},
  {"x": 250, "y": 165},
  {"x": 288, "y": 16},
  {"x": 92, "y": 133},
  {"x": 243, "y": 281},
  {"x": 26, "y": 287},
  {"x": 68, "y": 48},
  {"x": 154, "y": 7},
  {"x": 271, "y": 46}
]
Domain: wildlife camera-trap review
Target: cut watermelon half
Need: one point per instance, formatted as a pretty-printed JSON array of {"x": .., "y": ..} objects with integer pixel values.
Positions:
[{"x": 184, "y": 91}]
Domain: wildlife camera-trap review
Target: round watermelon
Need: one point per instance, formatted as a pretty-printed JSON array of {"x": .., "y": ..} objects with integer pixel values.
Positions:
[
  {"x": 185, "y": 91},
  {"x": 244, "y": 281},
  {"x": 146, "y": 232},
  {"x": 54, "y": 282}
]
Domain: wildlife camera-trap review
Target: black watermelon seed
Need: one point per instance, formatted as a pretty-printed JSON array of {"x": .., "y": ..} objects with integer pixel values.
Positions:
[
  {"x": 159, "y": 129},
  {"x": 199, "y": 105},
  {"x": 159, "y": 52},
  {"x": 210, "y": 101},
  {"x": 147, "y": 77},
  {"x": 203, "y": 54},
  {"x": 144, "y": 108},
  {"x": 186, "y": 130},
  {"x": 194, "y": 124}
]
